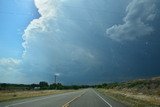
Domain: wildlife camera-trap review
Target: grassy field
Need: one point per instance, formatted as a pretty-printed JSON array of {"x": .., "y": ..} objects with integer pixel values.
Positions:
[{"x": 12, "y": 95}]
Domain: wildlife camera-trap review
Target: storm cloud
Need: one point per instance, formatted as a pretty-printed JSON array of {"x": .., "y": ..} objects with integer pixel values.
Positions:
[
  {"x": 47, "y": 49},
  {"x": 139, "y": 13},
  {"x": 69, "y": 39}
]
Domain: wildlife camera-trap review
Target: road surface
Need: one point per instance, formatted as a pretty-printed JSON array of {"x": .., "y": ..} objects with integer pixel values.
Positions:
[{"x": 82, "y": 98}]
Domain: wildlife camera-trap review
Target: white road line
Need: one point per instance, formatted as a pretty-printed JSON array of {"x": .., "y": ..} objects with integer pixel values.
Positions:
[
  {"x": 36, "y": 100},
  {"x": 68, "y": 103},
  {"x": 102, "y": 99}
]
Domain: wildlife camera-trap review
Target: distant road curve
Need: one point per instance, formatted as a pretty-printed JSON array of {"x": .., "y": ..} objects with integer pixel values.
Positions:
[{"x": 82, "y": 98}]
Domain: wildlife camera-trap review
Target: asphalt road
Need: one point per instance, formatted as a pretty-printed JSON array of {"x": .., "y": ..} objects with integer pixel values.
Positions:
[
  {"x": 83, "y": 98},
  {"x": 94, "y": 99}
]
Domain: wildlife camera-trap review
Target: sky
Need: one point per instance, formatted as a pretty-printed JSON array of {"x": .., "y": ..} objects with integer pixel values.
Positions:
[{"x": 82, "y": 41}]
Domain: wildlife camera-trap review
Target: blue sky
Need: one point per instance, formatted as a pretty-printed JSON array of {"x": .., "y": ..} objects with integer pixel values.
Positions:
[
  {"x": 15, "y": 15},
  {"x": 84, "y": 41}
]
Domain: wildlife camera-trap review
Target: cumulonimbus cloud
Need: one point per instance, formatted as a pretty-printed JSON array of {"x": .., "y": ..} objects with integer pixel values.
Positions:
[
  {"x": 45, "y": 48},
  {"x": 136, "y": 22}
]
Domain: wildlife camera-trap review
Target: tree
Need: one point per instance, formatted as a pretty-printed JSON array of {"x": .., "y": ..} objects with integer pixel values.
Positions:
[{"x": 43, "y": 85}]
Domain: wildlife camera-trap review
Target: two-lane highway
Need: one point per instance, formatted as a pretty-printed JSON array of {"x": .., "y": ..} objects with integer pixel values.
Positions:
[
  {"x": 82, "y": 98},
  {"x": 94, "y": 99}
]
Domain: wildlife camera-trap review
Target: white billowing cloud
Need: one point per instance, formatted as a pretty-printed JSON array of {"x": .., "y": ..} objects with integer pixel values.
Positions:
[
  {"x": 46, "y": 49},
  {"x": 139, "y": 13},
  {"x": 39, "y": 40},
  {"x": 46, "y": 7},
  {"x": 47, "y": 10},
  {"x": 40, "y": 29}
]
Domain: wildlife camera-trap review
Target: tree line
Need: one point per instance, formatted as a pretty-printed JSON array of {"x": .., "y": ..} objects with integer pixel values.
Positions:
[
  {"x": 40, "y": 86},
  {"x": 138, "y": 84}
]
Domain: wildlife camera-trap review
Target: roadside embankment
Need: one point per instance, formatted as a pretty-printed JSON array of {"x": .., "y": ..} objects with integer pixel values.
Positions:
[{"x": 132, "y": 99}]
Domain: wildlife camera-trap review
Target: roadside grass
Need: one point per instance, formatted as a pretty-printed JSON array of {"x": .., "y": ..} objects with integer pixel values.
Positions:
[
  {"x": 132, "y": 99},
  {"x": 13, "y": 95}
]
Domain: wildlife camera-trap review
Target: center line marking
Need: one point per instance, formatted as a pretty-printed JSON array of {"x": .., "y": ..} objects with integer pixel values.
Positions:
[{"x": 67, "y": 104}]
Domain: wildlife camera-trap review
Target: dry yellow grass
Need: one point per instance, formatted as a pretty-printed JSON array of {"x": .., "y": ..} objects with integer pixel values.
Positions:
[
  {"x": 10, "y": 95},
  {"x": 132, "y": 99}
]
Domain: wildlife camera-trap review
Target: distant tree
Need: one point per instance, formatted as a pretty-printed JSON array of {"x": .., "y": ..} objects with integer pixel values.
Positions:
[
  {"x": 43, "y": 85},
  {"x": 58, "y": 86},
  {"x": 52, "y": 86},
  {"x": 33, "y": 86}
]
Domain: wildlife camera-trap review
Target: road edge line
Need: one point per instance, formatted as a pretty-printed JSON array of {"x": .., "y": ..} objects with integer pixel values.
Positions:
[
  {"x": 102, "y": 98},
  {"x": 67, "y": 104}
]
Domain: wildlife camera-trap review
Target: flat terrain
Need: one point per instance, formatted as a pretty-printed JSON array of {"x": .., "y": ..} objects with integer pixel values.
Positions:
[{"x": 82, "y": 98}]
